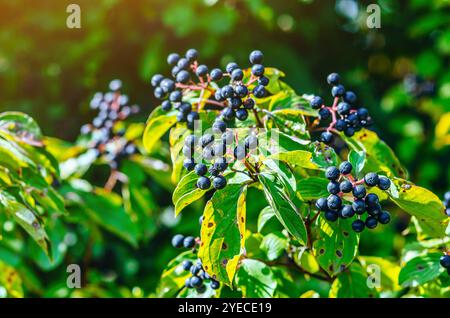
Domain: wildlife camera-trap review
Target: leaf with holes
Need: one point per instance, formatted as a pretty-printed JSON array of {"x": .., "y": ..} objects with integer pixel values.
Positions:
[
  {"x": 420, "y": 270},
  {"x": 336, "y": 244},
  {"x": 422, "y": 204},
  {"x": 223, "y": 232},
  {"x": 256, "y": 279}
]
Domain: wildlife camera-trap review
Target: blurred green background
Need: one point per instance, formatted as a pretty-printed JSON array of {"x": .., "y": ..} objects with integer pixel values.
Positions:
[{"x": 400, "y": 71}]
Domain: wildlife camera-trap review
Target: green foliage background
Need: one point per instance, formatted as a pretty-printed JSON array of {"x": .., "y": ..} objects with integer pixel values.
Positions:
[{"x": 51, "y": 72}]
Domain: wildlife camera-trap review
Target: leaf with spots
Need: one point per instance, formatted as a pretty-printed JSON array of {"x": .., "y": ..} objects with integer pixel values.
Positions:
[
  {"x": 186, "y": 192},
  {"x": 352, "y": 283},
  {"x": 422, "y": 204},
  {"x": 379, "y": 157},
  {"x": 223, "y": 232},
  {"x": 420, "y": 270},
  {"x": 278, "y": 198},
  {"x": 336, "y": 244},
  {"x": 256, "y": 279}
]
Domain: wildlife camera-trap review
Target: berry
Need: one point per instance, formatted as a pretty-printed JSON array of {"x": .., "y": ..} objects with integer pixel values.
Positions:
[
  {"x": 384, "y": 217},
  {"x": 372, "y": 200},
  {"x": 227, "y": 91},
  {"x": 228, "y": 113},
  {"x": 445, "y": 261},
  {"x": 173, "y": 58},
  {"x": 216, "y": 74},
  {"x": 371, "y": 179},
  {"x": 234, "y": 102},
  {"x": 221, "y": 164},
  {"x": 256, "y": 57},
  {"x": 203, "y": 183},
  {"x": 219, "y": 126},
  {"x": 166, "y": 106},
  {"x": 191, "y": 141},
  {"x": 362, "y": 113},
  {"x": 350, "y": 97},
  {"x": 201, "y": 169},
  {"x": 338, "y": 91},
  {"x": 259, "y": 91},
  {"x": 345, "y": 167},
  {"x": 186, "y": 265},
  {"x": 264, "y": 81},
  {"x": 219, "y": 182},
  {"x": 175, "y": 96},
  {"x": 158, "y": 93},
  {"x": 214, "y": 284},
  {"x": 189, "y": 242},
  {"x": 334, "y": 202},
  {"x": 167, "y": 85},
  {"x": 333, "y": 187},
  {"x": 201, "y": 70},
  {"x": 208, "y": 153},
  {"x": 185, "y": 108},
  {"x": 156, "y": 79},
  {"x": 326, "y": 137},
  {"x": 343, "y": 108},
  {"x": 213, "y": 172},
  {"x": 333, "y": 79},
  {"x": 115, "y": 85},
  {"x": 331, "y": 215},
  {"x": 249, "y": 103},
  {"x": 324, "y": 113},
  {"x": 177, "y": 241},
  {"x": 371, "y": 222},
  {"x": 242, "y": 114},
  {"x": 332, "y": 173},
  {"x": 358, "y": 226},
  {"x": 347, "y": 211},
  {"x": 191, "y": 54},
  {"x": 183, "y": 76},
  {"x": 189, "y": 164},
  {"x": 251, "y": 142},
  {"x": 346, "y": 186},
  {"x": 239, "y": 152},
  {"x": 321, "y": 204},
  {"x": 187, "y": 283},
  {"x": 237, "y": 74},
  {"x": 230, "y": 67},
  {"x": 359, "y": 191},
  {"x": 258, "y": 70},
  {"x": 349, "y": 131},
  {"x": 241, "y": 90},
  {"x": 316, "y": 102},
  {"x": 340, "y": 125},
  {"x": 384, "y": 183},
  {"x": 228, "y": 137},
  {"x": 192, "y": 117},
  {"x": 196, "y": 282},
  {"x": 183, "y": 63},
  {"x": 359, "y": 206},
  {"x": 206, "y": 140}
]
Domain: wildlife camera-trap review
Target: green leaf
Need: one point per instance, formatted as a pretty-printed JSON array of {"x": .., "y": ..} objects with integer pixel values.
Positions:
[
  {"x": 186, "y": 192},
  {"x": 379, "y": 157},
  {"x": 174, "y": 276},
  {"x": 312, "y": 188},
  {"x": 422, "y": 204},
  {"x": 157, "y": 125},
  {"x": 420, "y": 270},
  {"x": 256, "y": 279},
  {"x": 300, "y": 158},
  {"x": 223, "y": 232},
  {"x": 26, "y": 219},
  {"x": 352, "y": 283},
  {"x": 358, "y": 160},
  {"x": 336, "y": 244},
  {"x": 286, "y": 212},
  {"x": 267, "y": 220},
  {"x": 177, "y": 137},
  {"x": 289, "y": 121},
  {"x": 22, "y": 126},
  {"x": 274, "y": 245}
]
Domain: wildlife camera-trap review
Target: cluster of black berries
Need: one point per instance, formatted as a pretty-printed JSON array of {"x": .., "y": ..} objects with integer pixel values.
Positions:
[
  {"x": 418, "y": 87},
  {"x": 342, "y": 183},
  {"x": 199, "y": 276},
  {"x": 112, "y": 108},
  {"x": 446, "y": 203},
  {"x": 343, "y": 113},
  {"x": 216, "y": 150},
  {"x": 445, "y": 261},
  {"x": 234, "y": 100}
]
